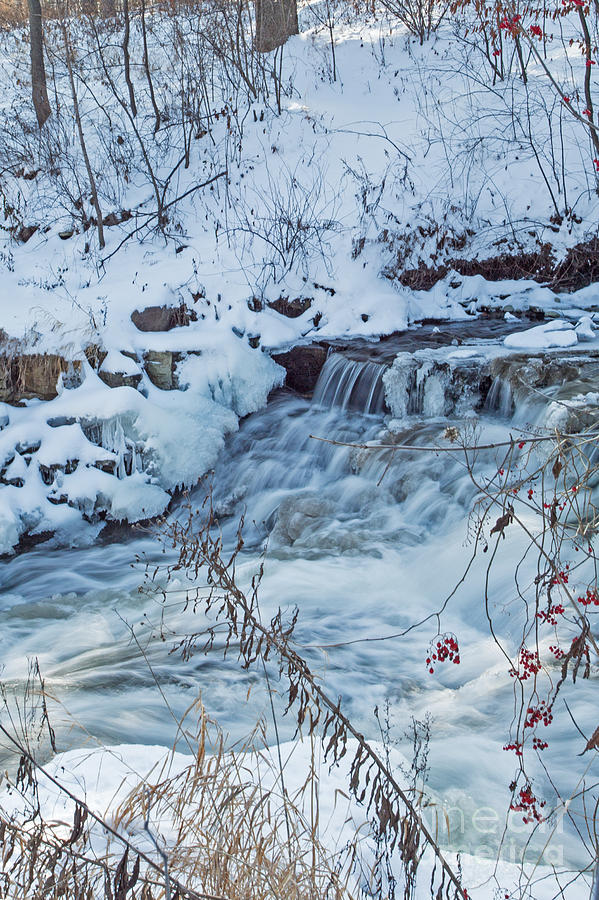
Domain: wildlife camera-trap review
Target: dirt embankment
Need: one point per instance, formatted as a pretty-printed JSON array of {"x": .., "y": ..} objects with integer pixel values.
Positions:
[{"x": 578, "y": 269}]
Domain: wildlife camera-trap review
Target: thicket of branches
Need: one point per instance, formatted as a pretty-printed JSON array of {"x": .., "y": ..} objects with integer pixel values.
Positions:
[{"x": 157, "y": 86}]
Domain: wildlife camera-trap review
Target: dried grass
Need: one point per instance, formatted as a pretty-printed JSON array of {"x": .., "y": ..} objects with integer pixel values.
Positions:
[
  {"x": 235, "y": 831},
  {"x": 228, "y": 830}
]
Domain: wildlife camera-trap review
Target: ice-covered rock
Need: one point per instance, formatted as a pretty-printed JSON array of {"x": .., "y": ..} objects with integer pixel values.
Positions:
[
  {"x": 97, "y": 452},
  {"x": 433, "y": 384},
  {"x": 234, "y": 376},
  {"x": 584, "y": 329},
  {"x": 118, "y": 363}
]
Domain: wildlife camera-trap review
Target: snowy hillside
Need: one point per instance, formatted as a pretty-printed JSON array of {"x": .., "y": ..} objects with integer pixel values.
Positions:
[{"x": 359, "y": 162}]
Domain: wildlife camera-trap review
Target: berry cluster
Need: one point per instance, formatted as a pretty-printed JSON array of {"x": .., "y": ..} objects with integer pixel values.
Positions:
[
  {"x": 510, "y": 25},
  {"x": 529, "y": 664},
  {"x": 538, "y": 744},
  {"x": 560, "y": 506},
  {"x": 535, "y": 714},
  {"x": 591, "y": 598},
  {"x": 516, "y": 747},
  {"x": 443, "y": 649},
  {"x": 557, "y": 651},
  {"x": 529, "y": 805},
  {"x": 562, "y": 576},
  {"x": 550, "y": 614}
]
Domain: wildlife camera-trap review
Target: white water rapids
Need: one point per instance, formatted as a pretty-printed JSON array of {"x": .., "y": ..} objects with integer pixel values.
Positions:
[{"x": 365, "y": 544}]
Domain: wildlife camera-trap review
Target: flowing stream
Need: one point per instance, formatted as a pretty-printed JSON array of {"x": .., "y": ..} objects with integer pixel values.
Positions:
[{"x": 365, "y": 544}]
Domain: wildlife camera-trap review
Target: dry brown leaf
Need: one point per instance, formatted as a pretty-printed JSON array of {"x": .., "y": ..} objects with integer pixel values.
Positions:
[{"x": 593, "y": 743}]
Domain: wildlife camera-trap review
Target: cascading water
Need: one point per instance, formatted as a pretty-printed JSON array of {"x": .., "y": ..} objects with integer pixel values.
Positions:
[
  {"x": 500, "y": 397},
  {"x": 366, "y": 544},
  {"x": 351, "y": 384}
]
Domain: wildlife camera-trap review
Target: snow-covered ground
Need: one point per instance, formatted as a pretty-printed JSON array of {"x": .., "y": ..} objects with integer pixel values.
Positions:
[
  {"x": 396, "y": 157},
  {"x": 104, "y": 778}
]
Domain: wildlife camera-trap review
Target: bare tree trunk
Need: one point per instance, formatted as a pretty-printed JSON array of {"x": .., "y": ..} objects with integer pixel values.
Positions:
[
  {"x": 276, "y": 20},
  {"x": 588, "y": 52},
  {"x": 127, "y": 59},
  {"x": 39, "y": 90},
  {"x": 146, "y": 62},
  {"x": 595, "y": 888},
  {"x": 90, "y": 174}
]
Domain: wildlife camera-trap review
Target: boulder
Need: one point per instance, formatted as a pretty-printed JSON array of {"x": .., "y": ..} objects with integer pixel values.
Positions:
[
  {"x": 160, "y": 367},
  {"x": 291, "y": 308},
  {"x": 303, "y": 365},
  {"x": 27, "y": 376},
  {"x": 162, "y": 318}
]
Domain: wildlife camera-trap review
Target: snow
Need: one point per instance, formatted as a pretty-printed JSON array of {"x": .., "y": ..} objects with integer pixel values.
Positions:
[
  {"x": 585, "y": 330},
  {"x": 10, "y": 528},
  {"x": 145, "y": 445},
  {"x": 557, "y": 333},
  {"x": 104, "y": 777},
  {"x": 116, "y": 362},
  {"x": 233, "y": 375}
]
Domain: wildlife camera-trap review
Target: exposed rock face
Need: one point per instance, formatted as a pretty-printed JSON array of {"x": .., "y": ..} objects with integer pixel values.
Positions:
[
  {"x": 520, "y": 380},
  {"x": 162, "y": 318},
  {"x": 25, "y": 376},
  {"x": 303, "y": 365},
  {"x": 26, "y": 232},
  {"x": 291, "y": 308},
  {"x": 118, "y": 379},
  {"x": 541, "y": 371},
  {"x": 160, "y": 367}
]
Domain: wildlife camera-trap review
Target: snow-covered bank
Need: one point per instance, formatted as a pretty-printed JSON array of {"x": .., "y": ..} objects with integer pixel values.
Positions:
[
  {"x": 96, "y": 452},
  {"x": 125, "y": 784}
]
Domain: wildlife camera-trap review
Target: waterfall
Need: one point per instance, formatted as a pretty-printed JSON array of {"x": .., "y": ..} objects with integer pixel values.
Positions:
[
  {"x": 410, "y": 387},
  {"x": 500, "y": 397},
  {"x": 351, "y": 384}
]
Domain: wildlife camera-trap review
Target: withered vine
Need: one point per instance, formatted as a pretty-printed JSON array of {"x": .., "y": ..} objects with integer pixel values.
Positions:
[
  {"x": 235, "y": 620},
  {"x": 540, "y": 490}
]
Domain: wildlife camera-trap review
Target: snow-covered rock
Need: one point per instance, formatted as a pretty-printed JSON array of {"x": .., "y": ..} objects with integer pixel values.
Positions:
[
  {"x": 584, "y": 329},
  {"x": 96, "y": 452},
  {"x": 556, "y": 333}
]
